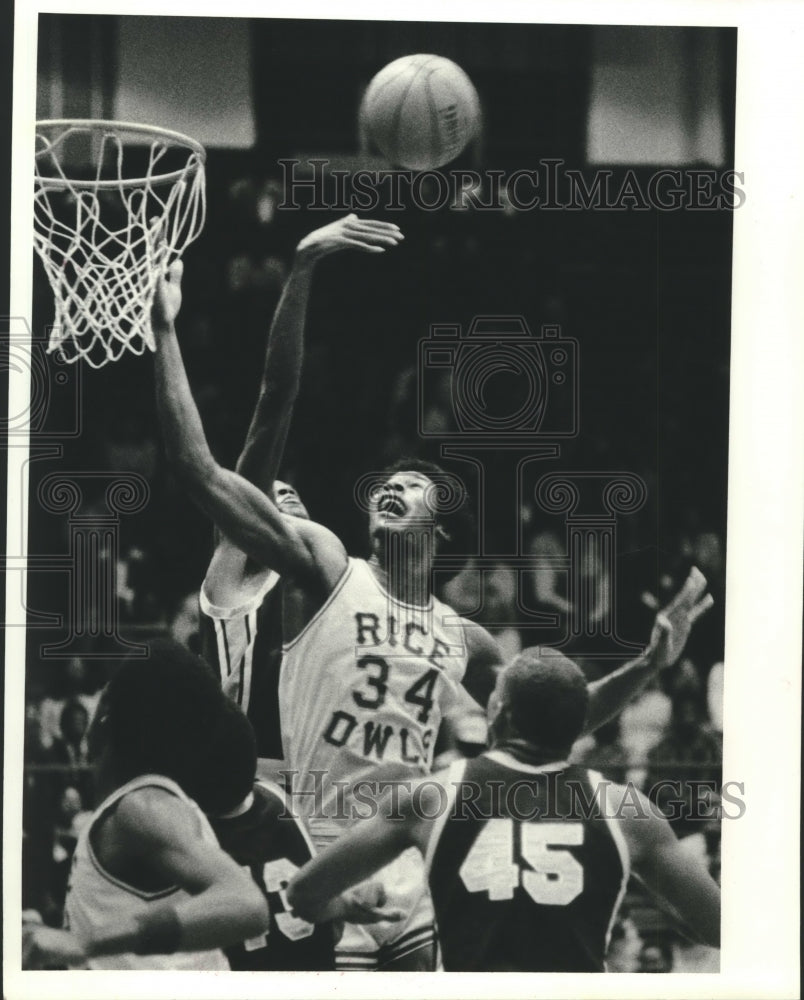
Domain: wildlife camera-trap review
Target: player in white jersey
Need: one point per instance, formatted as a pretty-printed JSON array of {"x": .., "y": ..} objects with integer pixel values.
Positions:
[
  {"x": 240, "y": 599},
  {"x": 408, "y": 531},
  {"x": 149, "y": 886}
]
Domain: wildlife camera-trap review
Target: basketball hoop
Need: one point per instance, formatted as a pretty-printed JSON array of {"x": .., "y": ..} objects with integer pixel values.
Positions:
[{"x": 114, "y": 205}]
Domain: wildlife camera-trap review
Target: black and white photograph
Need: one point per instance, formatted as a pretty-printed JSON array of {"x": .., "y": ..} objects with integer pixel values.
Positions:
[{"x": 404, "y": 502}]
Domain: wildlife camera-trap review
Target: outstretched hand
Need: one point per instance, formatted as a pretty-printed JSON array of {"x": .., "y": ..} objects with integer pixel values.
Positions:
[
  {"x": 368, "y": 235},
  {"x": 674, "y": 623},
  {"x": 167, "y": 297}
]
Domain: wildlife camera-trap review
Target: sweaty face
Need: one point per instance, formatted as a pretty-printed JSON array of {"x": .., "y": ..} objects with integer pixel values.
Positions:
[
  {"x": 404, "y": 500},
  {"x": 288, "y": 500}
]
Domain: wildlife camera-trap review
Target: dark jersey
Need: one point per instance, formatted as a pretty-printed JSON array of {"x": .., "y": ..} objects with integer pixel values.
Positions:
[
  {"x": 244, "y": 645},
  {"x": 526, "y": 874},
  {"x": 272, "y": 844}
]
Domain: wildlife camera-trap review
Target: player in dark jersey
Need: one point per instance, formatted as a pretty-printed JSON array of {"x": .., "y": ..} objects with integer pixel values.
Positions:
[
  {"x": 149, "y": 887},
  {"x": 262, "y": 835},
  {"x": 528, "y": 857},
  {"x": 241, "y": 600}
]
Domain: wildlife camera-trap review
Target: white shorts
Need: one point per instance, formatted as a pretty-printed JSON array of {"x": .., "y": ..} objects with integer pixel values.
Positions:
[{"x": 368, "y": 947}]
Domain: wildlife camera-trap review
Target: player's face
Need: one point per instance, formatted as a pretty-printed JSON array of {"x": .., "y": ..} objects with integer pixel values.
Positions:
[
  {"x": 288, "y": 500},
  {"x": 404, "y": 500}
]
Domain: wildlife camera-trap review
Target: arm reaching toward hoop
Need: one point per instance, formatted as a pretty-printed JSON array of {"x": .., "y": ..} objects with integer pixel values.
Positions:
[
  {"x": 261, "y": 456},
  {"x": 609, "y": 696},
  {"x": 239, "y": 509}
]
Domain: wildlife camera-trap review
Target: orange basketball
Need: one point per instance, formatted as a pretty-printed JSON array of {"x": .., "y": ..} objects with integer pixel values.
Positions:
[{"x": 421, "y": 111}]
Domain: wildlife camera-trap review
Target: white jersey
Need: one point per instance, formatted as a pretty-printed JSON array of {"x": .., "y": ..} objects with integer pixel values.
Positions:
[
  {"x": 364, "y": 684},
  {"x": 96, "y": 899}
]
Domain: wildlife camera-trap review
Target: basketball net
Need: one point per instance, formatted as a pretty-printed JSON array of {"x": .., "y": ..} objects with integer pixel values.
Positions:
[{"x": 105, "y": 238}]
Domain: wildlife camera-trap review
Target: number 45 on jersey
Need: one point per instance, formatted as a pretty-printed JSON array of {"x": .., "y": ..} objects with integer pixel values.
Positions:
[{"x": 554, "y": 877}]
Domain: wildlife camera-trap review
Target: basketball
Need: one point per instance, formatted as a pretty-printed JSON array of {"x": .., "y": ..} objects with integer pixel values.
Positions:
[{"x": 421, "y": 111}]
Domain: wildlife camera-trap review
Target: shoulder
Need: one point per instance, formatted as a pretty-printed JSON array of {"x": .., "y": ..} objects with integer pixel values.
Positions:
[
  {"x": 231, "y": 584},
  {"x": 481, "y": 647},
  {"x": 153, "y": 815},
  {"x": 327, "y": 550},
  {"x": 641, "y": 822}
]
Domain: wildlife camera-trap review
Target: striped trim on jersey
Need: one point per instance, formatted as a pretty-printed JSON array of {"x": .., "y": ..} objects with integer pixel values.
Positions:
[
  {"x": 236, "y": 630},
  {"x": 353, "y": 960},
  {"x": 596, "y": 779},
  {"x": 322, "y": 610},
  {"x": 134, "y": 785}
]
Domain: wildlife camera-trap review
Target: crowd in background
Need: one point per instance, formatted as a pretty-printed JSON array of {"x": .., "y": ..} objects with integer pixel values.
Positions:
[{"x": 359, "y": 406}]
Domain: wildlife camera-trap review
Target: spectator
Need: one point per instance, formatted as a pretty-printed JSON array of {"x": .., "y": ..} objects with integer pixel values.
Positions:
[
  {"x": 656, "y": 956},
  {"x": 76, "y": 685},
  {"x": 71, "y": 750},
  {"x": 684, "y": 774},
  {"x": 69, "y": 819},
  {"x": 643, "y": 724},
  {"x": 624, "y": 946},
  {"x": 185, "y": 622}
]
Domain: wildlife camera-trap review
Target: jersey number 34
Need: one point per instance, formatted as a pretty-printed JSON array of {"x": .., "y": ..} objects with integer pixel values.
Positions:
[{"x": 554, "y": 877}]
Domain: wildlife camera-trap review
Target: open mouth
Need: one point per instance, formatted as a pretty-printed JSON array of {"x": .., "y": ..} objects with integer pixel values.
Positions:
[{"x": 389, "y": 503}]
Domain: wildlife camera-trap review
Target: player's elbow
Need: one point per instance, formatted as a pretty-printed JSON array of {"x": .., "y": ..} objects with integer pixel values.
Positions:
[
  {"x": 254, "y": 913},
  {"x": 246, "y": 910},
  {"x": 195, "y": 470}
]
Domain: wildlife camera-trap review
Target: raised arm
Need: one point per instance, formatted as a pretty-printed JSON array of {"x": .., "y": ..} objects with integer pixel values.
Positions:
[
  {"x": 261, "y": 456},
  {"x": 608, "y": 696},
  {"x": 239, "y": 509},
  {"x": 670, "y": 873}
]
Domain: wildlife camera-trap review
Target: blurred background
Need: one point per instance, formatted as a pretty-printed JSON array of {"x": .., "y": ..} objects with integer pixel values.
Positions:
[{"x": 644, "y": 292}]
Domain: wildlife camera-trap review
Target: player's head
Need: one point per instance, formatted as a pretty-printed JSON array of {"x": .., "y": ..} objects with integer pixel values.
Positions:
[
  {"x": 417, "y": 493},
  {"x": 288, "y": 500},
  {"x": 156, "y": 716},
  {"x": 542, "y": 698},
  {"x": 230, "y": 775}
]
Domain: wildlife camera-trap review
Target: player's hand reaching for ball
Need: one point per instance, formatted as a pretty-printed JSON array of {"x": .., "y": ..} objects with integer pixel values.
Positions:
[
  {"x": 674, "y": 623},
  {"x": 368, "y": 235},
  {"x": 167, "y": 297}
]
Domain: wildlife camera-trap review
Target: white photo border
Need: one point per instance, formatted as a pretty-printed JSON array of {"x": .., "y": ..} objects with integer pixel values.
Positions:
[{"x": 760, "y": 867}]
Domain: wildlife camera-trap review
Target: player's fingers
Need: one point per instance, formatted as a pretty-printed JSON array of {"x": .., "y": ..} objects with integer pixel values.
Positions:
[
  {"x": 701, "y": 608},
  {"x": 694, "y": 586},
  {"x": 360, "y": 245},
  {"x": 376, "y": 239},
  {"x": 371, "y": 233},
  {"x": 663, "y": 623},
  {"x": 377, "y": 224},
  {"x": 697, "y": 582},
  {"x": 160, "y": 228},
  {"x": 369, "y": 230},
  {"x": 175, "y": 272}
]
